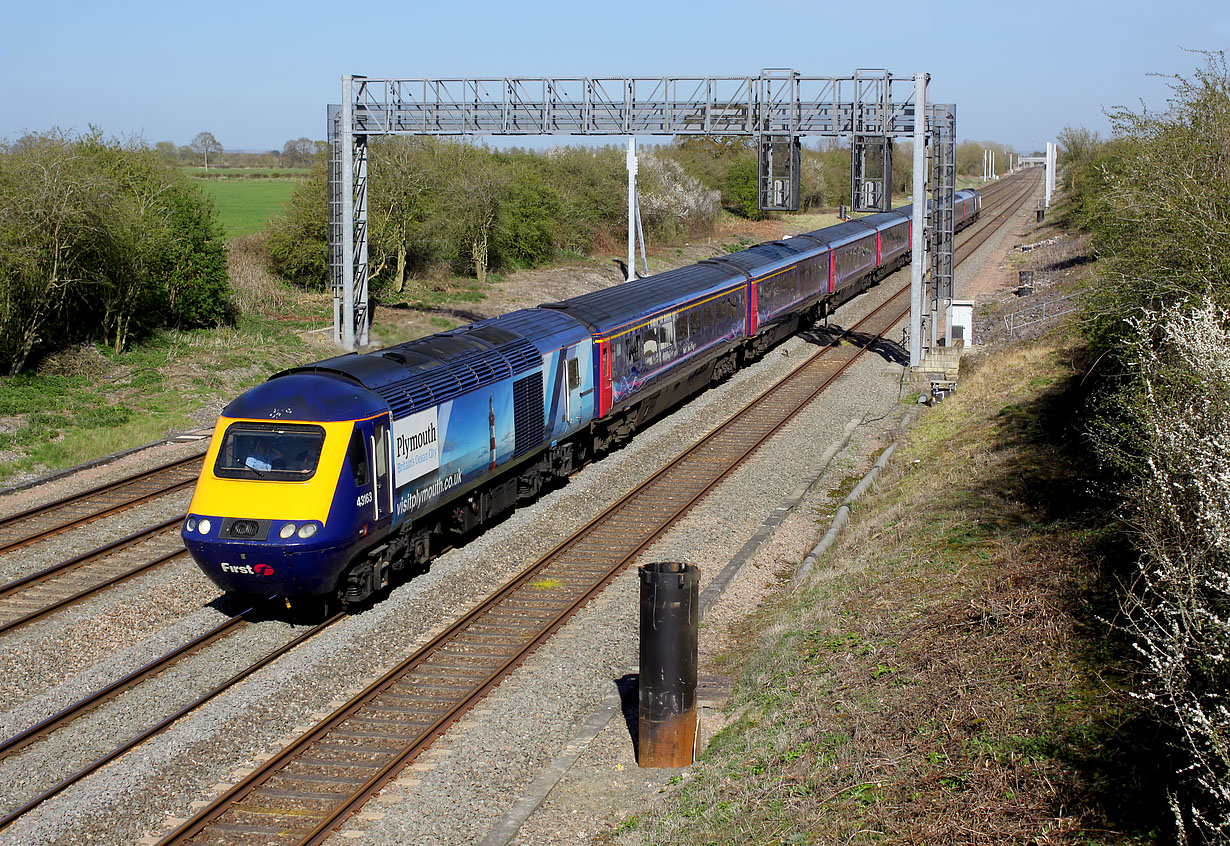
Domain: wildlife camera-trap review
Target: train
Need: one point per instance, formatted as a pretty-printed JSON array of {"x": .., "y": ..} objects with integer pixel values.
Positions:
[{"x": 330, "y": 481}]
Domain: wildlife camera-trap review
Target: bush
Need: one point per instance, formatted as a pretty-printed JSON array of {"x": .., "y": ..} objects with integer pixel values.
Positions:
[
  {"x": 529, "y": 223},
  {"x": 1157, "y": 201},
  {"x": 100, "y": 240},
  {"x": 741, "y": 194},
  {"x": 299, "y": 237},
  {"x": 673, "y": 204},
  {"x": 1172, "y": 430}
]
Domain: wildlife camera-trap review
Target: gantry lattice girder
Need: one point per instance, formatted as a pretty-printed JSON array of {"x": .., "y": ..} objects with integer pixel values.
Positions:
[
  {"x": 780, "y": 103},
  {"x": 942, "y": 120},
  {"x": 777, "y": 108}
]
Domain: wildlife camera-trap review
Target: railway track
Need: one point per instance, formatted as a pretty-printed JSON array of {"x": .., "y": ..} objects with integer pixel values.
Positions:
[
  {"x": 36, "y": 524},
  {"x": 1017, "y": 195},
  {"x": 65, "y": 716},
  {"x": 302, "y": 794},
  {"x": 30, "y": 598},
  {"x": 34, "y": 596}
]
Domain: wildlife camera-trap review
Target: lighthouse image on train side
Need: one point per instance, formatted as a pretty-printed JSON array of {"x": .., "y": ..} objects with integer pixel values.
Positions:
[{"x": 491, "y": 427}]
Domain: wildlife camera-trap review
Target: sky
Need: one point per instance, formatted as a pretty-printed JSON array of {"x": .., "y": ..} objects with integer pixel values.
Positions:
[{"x": 258, "y": 73}]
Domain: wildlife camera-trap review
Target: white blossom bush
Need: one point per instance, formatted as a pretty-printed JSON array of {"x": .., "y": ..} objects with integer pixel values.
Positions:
[
  {"x": 672, "y": 202},
  {"x": 1177, "y": 614}
]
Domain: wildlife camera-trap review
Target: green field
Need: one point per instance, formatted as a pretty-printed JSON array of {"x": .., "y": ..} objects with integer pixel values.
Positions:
[
  {"x": 246, "y": 205},
  {"x": 248, "y": 172}
]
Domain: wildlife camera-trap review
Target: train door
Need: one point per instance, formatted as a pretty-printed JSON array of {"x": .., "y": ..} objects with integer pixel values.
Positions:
[
  {"x": 381, "y": 463},
  {"x": 575, "y": 394},
  {"x": 603, "y": 350}
]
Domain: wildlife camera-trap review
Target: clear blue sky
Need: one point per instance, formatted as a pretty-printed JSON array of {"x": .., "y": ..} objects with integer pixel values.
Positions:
[{"x": 256, "y": 74}]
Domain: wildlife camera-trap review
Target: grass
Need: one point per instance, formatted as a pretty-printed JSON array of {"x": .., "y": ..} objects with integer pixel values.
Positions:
[
  {"x": 943, "y": 677},
  {"x": 246, "y": 205},
  {"x": 87, "y": 402},
  {"x": 248, "y": 172}
]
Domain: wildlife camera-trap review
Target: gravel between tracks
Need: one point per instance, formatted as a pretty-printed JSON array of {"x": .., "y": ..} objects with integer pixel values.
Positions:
[{"x": 468, "y": 780}]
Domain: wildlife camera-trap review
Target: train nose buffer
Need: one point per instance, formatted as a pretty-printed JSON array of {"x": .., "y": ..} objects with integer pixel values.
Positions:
[{"x": 259, "y": 566}]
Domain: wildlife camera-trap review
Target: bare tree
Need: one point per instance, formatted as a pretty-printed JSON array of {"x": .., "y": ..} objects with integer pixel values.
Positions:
[
  {"x": 298, "y": 153},
  {"x": 478, "y": 187},
  {"x": 1077, "y": 146},
  {"x": 203, "y": 144}
]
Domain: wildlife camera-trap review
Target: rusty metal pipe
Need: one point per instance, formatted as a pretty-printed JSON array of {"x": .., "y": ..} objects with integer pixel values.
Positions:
[{"x": 670, "y": 620}]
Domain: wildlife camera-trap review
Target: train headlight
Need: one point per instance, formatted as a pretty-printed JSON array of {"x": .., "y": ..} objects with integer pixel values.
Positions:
[
  {"x": 287, "y": 530},
  {"x": 204, "y": 525},
  {"x": 190, "y": 526},
  {"x": 307, "y": 530}
]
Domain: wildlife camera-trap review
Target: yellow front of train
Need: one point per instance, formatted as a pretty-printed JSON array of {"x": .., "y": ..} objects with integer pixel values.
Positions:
[{"x": 278, "y": 507}]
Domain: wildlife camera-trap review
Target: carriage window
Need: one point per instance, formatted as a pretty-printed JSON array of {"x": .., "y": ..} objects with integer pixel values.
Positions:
[
  {"x": 382, "y": 451},
  {"x": 650, "y": 344},
  {"x": 666, "y": 333},
  {"x": 695, "y": 321}
]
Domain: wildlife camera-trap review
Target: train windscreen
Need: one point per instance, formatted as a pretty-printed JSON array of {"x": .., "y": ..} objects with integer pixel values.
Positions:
[{"x": 280, "y": 452}]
